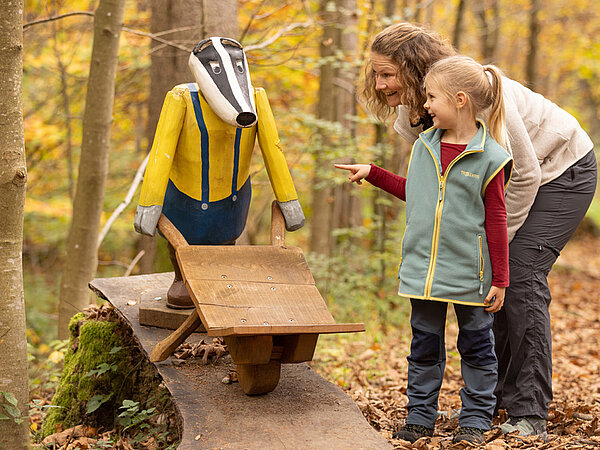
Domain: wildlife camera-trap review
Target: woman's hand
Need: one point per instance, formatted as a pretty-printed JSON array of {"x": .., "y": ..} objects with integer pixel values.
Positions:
[
  {"x": 495, "y": 299},
  {"x": 357, "y": 171}
]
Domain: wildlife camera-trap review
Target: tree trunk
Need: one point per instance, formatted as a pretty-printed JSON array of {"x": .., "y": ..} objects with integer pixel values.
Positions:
[
  {"x": 489, "y": 32},
  {"x": 390, "y": 8},
  {"x": 534, "y": 31},
  {"x": 458, "y": 24},
  {"x": 82, "y": 245},
  {"x": 346, "y": 206},
  {"x": 64, "y": 93},
  {"x": 185, "y": 22},
  {"x": 322, "y": 192},
  {"x": 13, "y": 180}
]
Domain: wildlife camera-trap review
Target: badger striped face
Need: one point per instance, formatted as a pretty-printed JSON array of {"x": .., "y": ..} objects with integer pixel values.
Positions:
[{"x": 221, "y": 71}]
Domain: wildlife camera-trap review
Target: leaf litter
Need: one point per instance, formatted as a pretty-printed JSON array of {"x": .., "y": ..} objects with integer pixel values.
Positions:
[{"x": 376, "y": 376}]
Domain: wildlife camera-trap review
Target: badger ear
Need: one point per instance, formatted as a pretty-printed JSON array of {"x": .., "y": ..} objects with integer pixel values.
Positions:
[{"x": 202, "y": 45}]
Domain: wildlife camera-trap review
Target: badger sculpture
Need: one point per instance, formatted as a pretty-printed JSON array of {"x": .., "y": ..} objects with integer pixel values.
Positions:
[{"x": 198, "y": 172}]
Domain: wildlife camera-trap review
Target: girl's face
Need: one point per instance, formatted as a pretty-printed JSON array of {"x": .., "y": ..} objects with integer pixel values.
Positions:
[
  {"x": 386, "y": 78},
  {"x": 442, "y": 110}
]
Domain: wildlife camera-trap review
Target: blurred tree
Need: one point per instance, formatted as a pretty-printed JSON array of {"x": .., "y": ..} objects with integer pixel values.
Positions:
[
  {"x": 534, "y": 31},
  {"x": 346, "y": 206},
  {"x": 14, "y": 395},
  {"x": 82, "y": 245},
  {"x": 331, "y": 208},
  {"x": 320, "y": 236},
  {"x": 66, "y": 102},
  {"x": 185, "y": 23},
  {"x": 486, "y": 12},
  {"x": 458, "y": 24}
]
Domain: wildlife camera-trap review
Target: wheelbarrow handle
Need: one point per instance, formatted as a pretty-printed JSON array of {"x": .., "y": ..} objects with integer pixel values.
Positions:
[
  {"x": 171, "y": 233},
  {"x": 277, "y": 226}
]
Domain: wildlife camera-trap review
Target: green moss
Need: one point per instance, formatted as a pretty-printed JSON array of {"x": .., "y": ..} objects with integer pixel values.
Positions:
[
  {"x": 103, "y": 359},
  {"x": 90, "y": 346}
]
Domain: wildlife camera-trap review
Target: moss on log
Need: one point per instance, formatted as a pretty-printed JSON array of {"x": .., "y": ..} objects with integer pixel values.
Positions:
[{"x": 103, "y": 367}]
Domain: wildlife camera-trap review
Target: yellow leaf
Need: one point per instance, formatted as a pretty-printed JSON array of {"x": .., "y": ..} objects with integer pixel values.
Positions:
[{"x": 56, "y": 357}]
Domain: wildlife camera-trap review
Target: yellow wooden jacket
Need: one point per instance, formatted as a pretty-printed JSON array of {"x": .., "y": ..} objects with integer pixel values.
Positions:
[{"x": 185, "y": 137}]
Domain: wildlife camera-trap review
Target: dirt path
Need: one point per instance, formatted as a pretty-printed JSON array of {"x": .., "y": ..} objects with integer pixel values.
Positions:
[{"x": 376, "y": 376}]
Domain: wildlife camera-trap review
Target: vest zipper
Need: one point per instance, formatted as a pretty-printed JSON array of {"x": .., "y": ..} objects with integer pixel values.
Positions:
[
  {"x": 438, "y": 216},
  {"x": 481, "y": 263}
]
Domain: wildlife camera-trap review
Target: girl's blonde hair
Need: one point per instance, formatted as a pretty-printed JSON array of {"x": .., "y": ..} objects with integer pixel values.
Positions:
[
  {"x": 481, "y": 84},
  {"x": 413, "y": 50}
]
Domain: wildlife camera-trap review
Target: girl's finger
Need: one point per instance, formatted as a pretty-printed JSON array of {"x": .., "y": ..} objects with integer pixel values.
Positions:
[{"x": 342, "y": 166}]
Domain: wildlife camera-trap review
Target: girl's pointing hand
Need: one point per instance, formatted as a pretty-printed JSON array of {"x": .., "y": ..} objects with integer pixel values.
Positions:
[{"x": 357, "y": 171}]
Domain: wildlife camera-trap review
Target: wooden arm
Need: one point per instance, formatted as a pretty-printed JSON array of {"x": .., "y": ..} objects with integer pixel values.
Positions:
[
  {"x": 277, "y": 226},
  {"x": 171, "y": 233}
]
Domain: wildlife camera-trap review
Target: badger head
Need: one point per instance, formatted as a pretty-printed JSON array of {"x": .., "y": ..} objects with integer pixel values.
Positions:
[{"x": 221, "y": 71}]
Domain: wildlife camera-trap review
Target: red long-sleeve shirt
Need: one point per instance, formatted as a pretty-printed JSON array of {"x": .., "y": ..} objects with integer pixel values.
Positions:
[{"x": 494, "y": 202}]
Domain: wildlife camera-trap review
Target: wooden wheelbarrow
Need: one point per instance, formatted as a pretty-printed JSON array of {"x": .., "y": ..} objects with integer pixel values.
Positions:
[{"x": 261, "y": 298}]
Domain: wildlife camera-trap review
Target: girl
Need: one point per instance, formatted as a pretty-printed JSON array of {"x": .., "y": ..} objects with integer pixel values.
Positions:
[
  {"x": 455, "y": 247},
  {"x": 551, "y": 189}
]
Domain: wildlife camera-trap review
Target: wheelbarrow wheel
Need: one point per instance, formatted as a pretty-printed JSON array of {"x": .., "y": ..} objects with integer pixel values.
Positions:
[{"x": 258, "y": 379}]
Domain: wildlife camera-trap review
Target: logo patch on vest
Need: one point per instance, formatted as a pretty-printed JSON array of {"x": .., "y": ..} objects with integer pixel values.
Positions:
[{"x": 469, "y": 174}]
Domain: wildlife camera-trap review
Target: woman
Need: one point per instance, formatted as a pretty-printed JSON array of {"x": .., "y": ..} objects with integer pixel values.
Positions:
[{"x": 552, "y": 186}]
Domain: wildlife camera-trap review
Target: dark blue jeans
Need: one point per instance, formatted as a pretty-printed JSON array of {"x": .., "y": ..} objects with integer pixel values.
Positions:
[
  {"x": 427, "y": 361},
  {"x": 522, "y": 326}
]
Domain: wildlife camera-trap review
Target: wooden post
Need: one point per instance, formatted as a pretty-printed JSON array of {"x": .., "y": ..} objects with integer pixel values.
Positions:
[{"x": 277, "y": 226}]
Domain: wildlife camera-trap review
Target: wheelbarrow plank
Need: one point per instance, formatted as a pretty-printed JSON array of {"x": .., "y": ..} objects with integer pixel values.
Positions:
[
  {"x": 267, "y": 264},
  {"x": 287, "y": 329},
  {"x": 226, "y": 304}
]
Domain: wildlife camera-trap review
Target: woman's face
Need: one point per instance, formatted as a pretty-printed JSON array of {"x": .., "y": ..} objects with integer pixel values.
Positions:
[{"x": 386, "y": 78}]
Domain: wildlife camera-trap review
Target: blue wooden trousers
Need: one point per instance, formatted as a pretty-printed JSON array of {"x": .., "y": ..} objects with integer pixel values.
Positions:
[{"x": 427, "y": 362}]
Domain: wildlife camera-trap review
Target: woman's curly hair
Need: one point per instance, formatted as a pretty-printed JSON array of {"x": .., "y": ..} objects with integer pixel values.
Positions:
[{"x": 413, "y": 49}]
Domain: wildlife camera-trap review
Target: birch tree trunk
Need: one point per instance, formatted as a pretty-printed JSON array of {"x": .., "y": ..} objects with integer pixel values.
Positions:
[
  {"x": 82, "y": 246},
  {"x": 13, "y": 180}
]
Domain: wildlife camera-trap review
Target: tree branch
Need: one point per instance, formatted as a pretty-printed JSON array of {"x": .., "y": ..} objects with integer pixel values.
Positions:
[
  {"x": 129, "y": 30},
  {"x": 277, "y": 35},
  {"x": 60, "y": 16},
  {"x": 136, "y": 181},
  {"x": 159, "y": 39}
]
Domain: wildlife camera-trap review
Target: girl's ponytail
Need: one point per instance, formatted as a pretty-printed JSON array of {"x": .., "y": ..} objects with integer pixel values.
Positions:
[{"x": 497, "y": 118}]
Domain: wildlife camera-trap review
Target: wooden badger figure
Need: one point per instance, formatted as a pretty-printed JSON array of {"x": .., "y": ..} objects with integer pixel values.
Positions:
[{"x": 198, "y": 172}]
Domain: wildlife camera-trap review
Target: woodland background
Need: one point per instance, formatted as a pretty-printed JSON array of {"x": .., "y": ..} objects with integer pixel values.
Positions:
[{"x": 309, "y": 56}]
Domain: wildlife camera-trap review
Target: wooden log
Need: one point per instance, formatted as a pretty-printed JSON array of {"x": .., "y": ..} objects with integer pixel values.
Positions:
[
  {"x": 304, "y": 411},
  {"x": 164, "y": 348}
]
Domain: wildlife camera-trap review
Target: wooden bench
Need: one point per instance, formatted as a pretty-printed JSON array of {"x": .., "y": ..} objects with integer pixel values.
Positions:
[{"x": 262, "y": 299}]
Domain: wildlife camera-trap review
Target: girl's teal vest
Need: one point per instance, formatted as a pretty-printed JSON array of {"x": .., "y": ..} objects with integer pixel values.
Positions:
[{"x": 444, "y": 250}]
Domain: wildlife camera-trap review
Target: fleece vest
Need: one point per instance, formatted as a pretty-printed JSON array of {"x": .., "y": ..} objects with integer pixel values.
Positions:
[{"x": 444, "y": 249}]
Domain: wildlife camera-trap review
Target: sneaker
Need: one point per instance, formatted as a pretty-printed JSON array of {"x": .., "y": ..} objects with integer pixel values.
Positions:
[
  {"x": 469, "y": 434},
  {"x": 412, "y": 433},
  {"x": 526, "y": 426}
]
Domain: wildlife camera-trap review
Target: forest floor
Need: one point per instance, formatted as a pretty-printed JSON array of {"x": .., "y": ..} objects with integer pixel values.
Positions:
[
  {"x": 375, "y": 377},
  {"x": 375, "y": 374}
]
